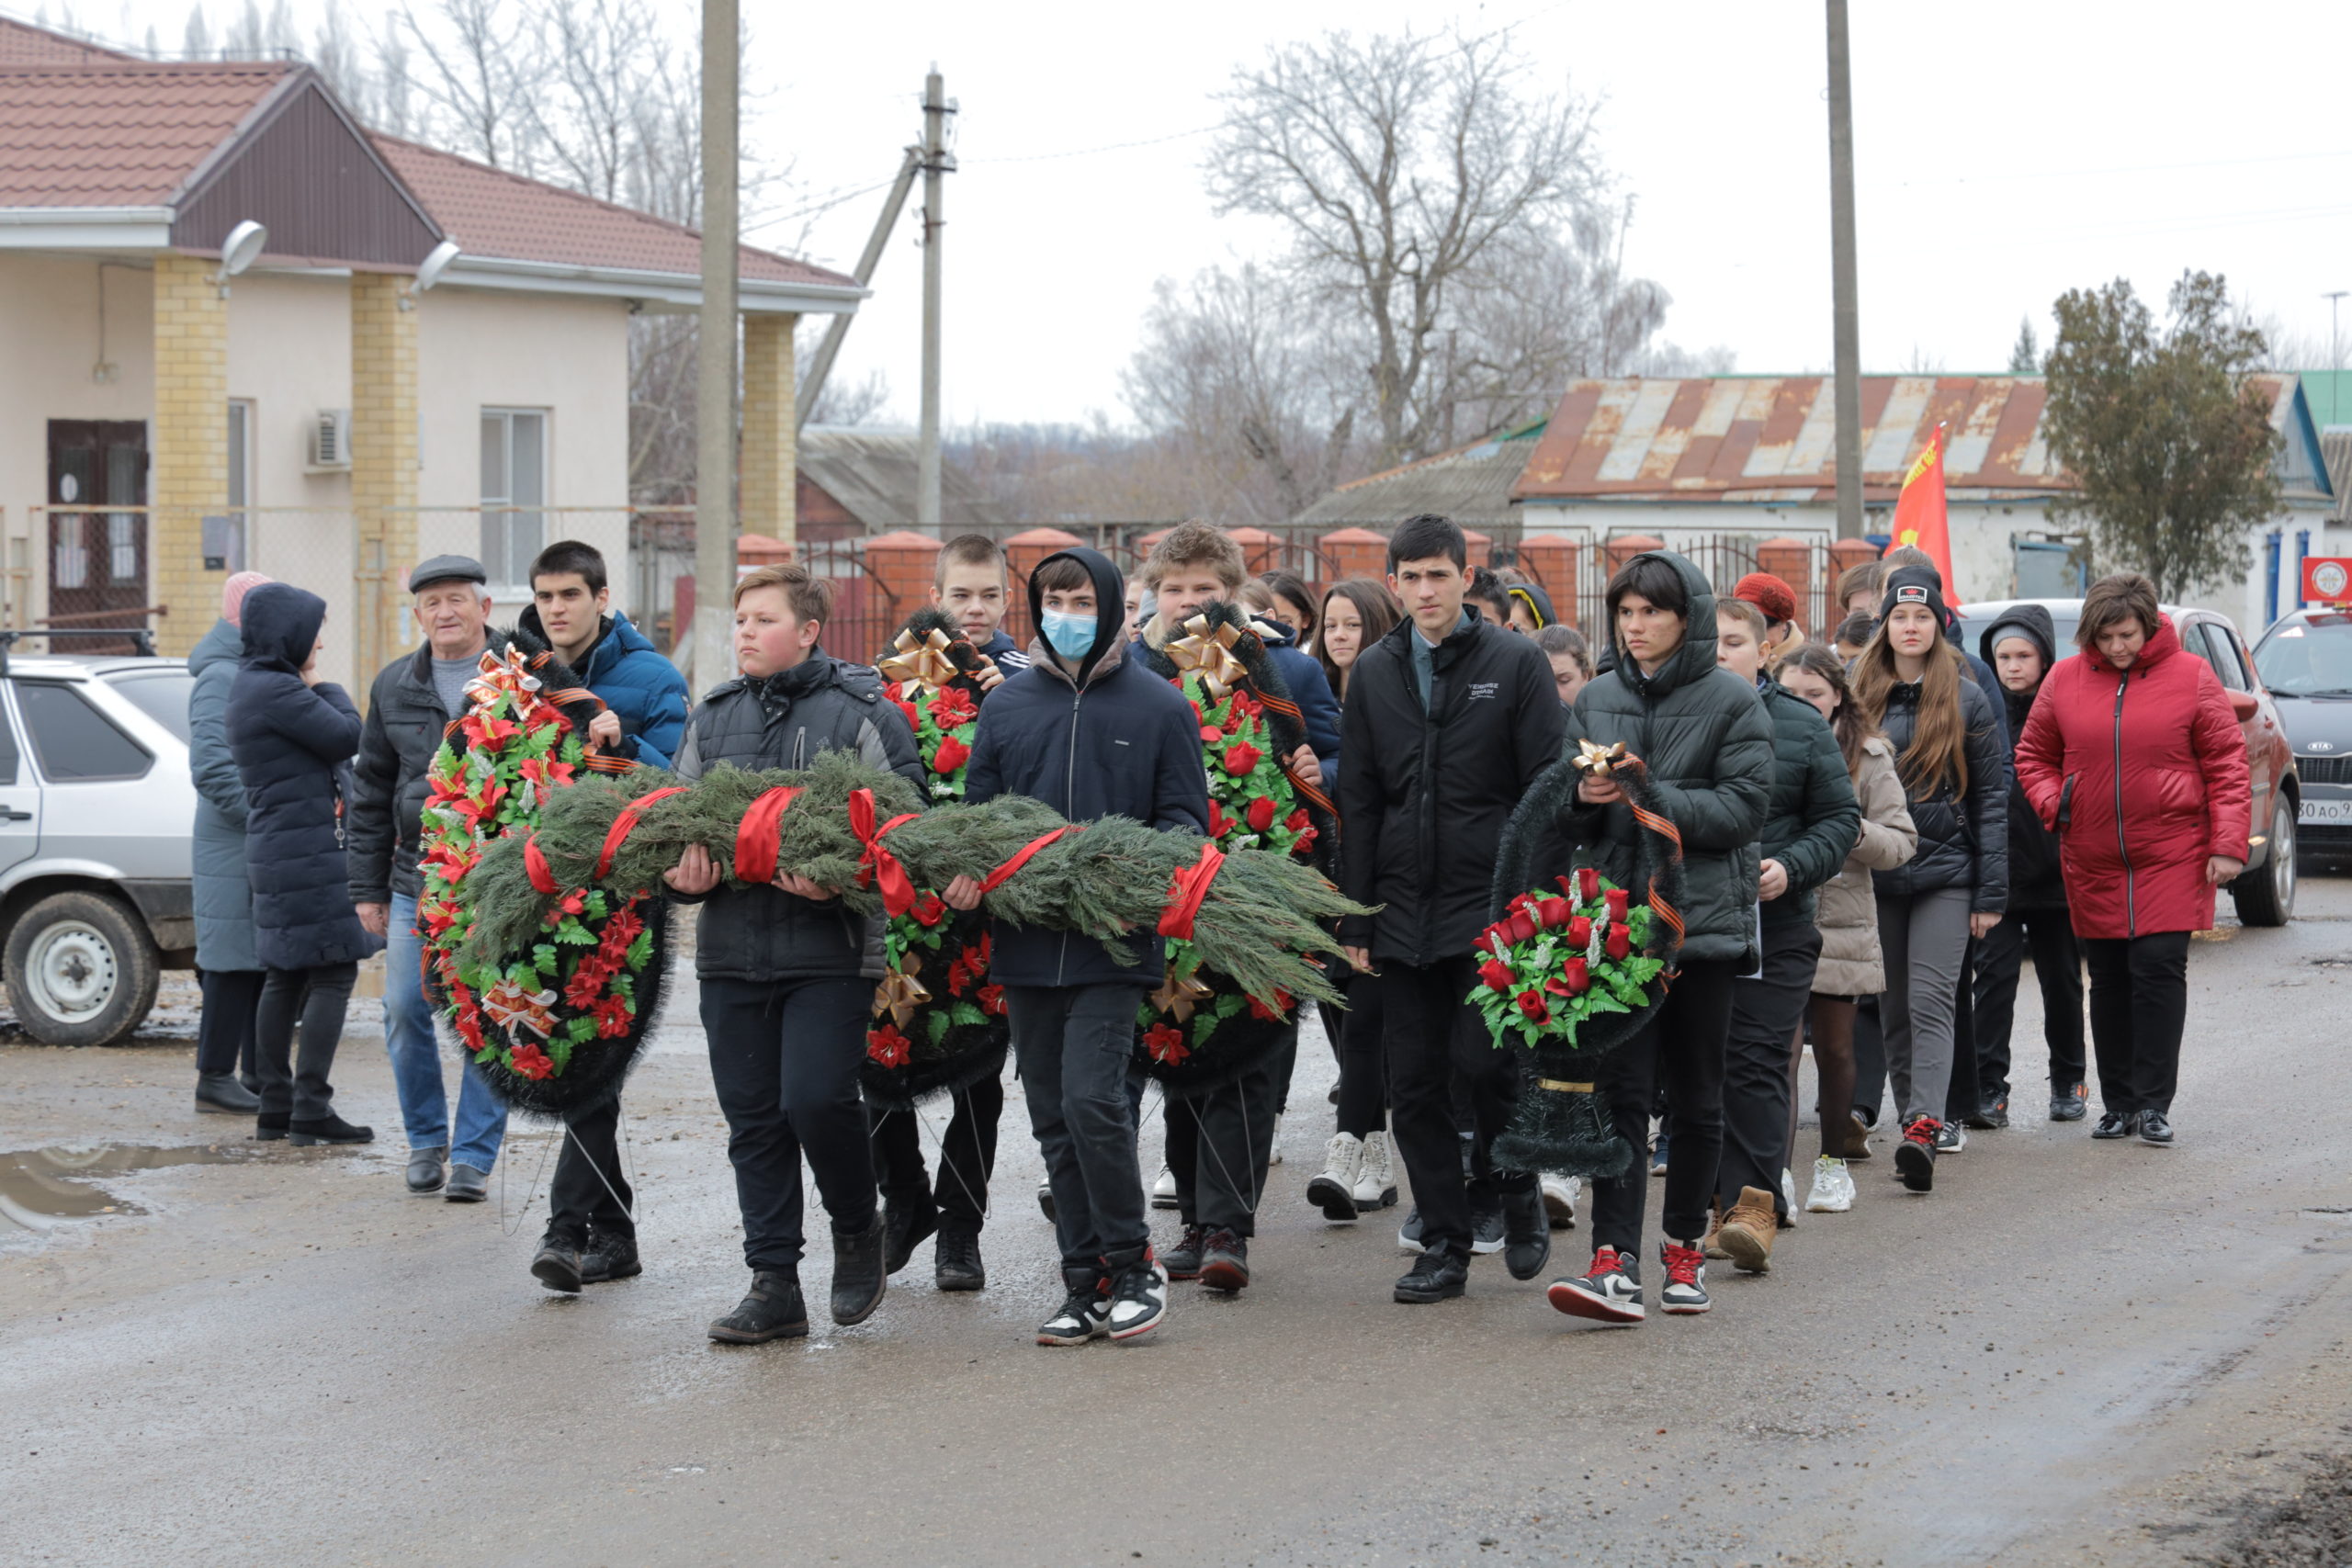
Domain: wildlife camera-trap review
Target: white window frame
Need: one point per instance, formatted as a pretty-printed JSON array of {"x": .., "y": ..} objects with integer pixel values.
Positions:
[
  {"x": 234, "y": 541},
  {"x": 498, "y": 523}
]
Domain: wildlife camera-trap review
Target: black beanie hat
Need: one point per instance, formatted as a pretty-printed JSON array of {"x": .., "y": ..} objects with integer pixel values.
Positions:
[{"x": 1915, "y": 585}]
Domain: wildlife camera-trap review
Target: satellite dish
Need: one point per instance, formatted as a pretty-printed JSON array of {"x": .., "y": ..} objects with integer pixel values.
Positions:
[
  {"x": 241, "y": 248},
  {"x": 429, "y": 271}
]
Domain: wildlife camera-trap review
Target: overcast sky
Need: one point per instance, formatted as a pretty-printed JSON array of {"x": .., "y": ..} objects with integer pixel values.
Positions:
[{"x": 2005, "y": 150}]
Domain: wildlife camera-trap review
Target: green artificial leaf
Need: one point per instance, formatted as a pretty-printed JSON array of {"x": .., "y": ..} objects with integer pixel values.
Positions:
[
  {"x": 543, "y": 958},
  {"x": 935, "y": 1026},
  {"x": 968, "y": 1016},
  {"x": 640, "y": 951},
  {"x": 575, "y": 935},
  {"x": 1227, "y": 1005},
  {"x": 597, "y": 905},
  {"x": 581, "y": 1027},
  {"x": 559, "y": 1053},
  {"x": 1204, "y": 1025}
]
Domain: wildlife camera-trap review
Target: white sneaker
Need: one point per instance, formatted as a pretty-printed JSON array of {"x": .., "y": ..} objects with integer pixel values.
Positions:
[
  {"x": 1376, "y": 1181},
  {"x": 1163, "y": 1188},
  {"x": 1560, "y": 1200},
  {"x": 1274, "y": 1154},
  {"x": 1788, "y": 1189},
  {"x": 1334, "y": 1190},
  {"x": 1833, "y": 1187}
]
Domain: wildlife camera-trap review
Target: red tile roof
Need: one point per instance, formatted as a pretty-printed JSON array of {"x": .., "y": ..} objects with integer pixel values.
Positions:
[
  {"x": 24, "y": 45},
  {"x": 490, "y": 213},
  {"x": 119, "y": 134}
]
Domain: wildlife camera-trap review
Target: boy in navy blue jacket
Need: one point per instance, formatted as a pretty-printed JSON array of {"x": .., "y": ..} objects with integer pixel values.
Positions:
[{"x": 1090, "y": 733}]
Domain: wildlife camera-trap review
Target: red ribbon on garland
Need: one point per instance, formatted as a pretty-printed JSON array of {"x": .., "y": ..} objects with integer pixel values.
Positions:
[
  {"x": 878, "y": 865},
  {"x": 1189, "y": 885},
  {"x": 759, "y": 835},
  {"x": 1665, "y": 830},
  {"x": 622, "y": 825},
  {"x": 536, "y": 862},
  {"x": 1004, "y": 872}
]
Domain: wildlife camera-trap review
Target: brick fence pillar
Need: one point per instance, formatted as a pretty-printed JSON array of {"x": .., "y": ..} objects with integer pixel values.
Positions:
[
  {"x": 1355, "y": 552},
  {"x": 1022, "y": 552},
  {"x": 1551, "y": 560},
  {"x": 903, "y": 565}
]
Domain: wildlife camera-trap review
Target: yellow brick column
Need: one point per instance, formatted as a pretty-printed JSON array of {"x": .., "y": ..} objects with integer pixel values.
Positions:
[
  {"x": 190, "y": 476},
  {"x": 383, "y": 463},
  {"x": 771, "y": 441}
]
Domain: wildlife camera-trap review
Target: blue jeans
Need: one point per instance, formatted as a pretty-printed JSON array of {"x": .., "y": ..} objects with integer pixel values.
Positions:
[{"x": 415, "y": 1050}]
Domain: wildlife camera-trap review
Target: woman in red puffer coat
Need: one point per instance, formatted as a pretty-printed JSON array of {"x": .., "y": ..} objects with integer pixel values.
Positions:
[{"x": 2133, "y": 757}]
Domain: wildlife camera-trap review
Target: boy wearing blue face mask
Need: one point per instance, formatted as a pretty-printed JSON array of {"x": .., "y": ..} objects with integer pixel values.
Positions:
[{"x": 1092, "y": 733}]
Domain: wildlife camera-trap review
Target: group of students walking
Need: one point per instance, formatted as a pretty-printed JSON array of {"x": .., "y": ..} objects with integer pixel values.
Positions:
[{"x": 1871, "y": 845}]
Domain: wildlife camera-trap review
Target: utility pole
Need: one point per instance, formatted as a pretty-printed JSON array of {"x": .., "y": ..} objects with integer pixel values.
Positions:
[
  {"x": 1845, "y": 315},
  {"x": 812, "y": 386},
  {"x": 937, "y": 162},
  {"x": 714, "y": 341},
  {"x": 2335, "y": 350}
]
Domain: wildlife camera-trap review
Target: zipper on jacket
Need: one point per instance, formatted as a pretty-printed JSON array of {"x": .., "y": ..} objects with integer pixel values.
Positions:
[
  {"x": 2131, "y": 914},
  {"x": 1069, "y": 802}
]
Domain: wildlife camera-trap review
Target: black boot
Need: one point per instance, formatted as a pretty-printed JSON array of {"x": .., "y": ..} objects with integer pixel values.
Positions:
[
  {"x": 772, "y": 1311},
  {"x": 328, "y": 1129},
  {"x": 956, "y": 1260},
  {"x": 557, "y": 1263},
  {"x": 1436, "y": 1275},
  {"x": 858, "y": 1277},
  {"x": 269, "y": 1126},
  {"x": 907, "y": 1227},
  {"x": 1527, "y": 1233},
  {"x": 609, "y": 1257},
  {"x": 223, "y": 1092}
]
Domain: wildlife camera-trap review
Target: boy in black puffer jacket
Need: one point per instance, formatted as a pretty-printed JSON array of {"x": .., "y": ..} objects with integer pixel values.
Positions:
[{"x": 787, "y": 972}]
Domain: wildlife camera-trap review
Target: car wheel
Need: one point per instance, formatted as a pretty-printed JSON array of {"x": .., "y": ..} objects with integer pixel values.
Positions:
[
  {"x": 2264, "y": 895},
  {"x": 81, "y": 970}
]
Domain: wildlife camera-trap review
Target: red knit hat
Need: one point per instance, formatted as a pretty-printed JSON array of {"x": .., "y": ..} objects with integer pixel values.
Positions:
[{"x": 1769, "y": 595}]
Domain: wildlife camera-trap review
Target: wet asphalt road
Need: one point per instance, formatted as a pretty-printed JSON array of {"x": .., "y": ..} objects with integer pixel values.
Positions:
[{"x": 2072, "y": 1352}]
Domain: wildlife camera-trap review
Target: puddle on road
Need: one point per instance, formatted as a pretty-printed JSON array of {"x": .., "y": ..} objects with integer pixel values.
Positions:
[{"x": 40, "y": 1187}]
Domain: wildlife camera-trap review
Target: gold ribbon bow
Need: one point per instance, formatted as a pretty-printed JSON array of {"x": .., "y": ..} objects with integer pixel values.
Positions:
[
  {"x": 1209, "y": 654},
  {"x": 502, "y": 676},
  {"x": 1178, "y": 996},
  {"x": 1597, "y": 760},
  {"x": 900, "y": 993},
  {"x": 925, "y": 662}
]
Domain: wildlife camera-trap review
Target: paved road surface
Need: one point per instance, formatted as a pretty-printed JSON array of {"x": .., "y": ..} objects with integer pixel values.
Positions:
[{"x": 2072, "y": 1352}]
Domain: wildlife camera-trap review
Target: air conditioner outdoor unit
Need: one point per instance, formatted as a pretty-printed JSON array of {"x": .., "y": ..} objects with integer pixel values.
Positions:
[{"x": 331, "y": 439}]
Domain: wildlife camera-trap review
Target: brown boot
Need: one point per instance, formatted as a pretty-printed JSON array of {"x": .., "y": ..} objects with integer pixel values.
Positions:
[
  {"x": 1746, "y": 1235},
  {"x": 1712, "y": 1246}
]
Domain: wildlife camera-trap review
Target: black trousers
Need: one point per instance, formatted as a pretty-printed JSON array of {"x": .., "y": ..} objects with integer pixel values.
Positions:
[
  {"x": 1680, "y": 1050},
  {"x": 1220, "y": 1142},
  {"x": 2049, "y": 935},
  {"x": 224, "y": 1029},
  {"x": 967, "y": 1155},
  {"x": 1764, "y": 1014},
  {"x": 1427, "y": 1046},
  {"x": 1869, "y": 1060},
  {"x": 1363, "y": 1066},
  {"x": 2138, "y": 1005},
  {"x": 579, "y": 1196},
  {"x": 783, "y": 1058},
  {"x": 1076, "y": 1047},
  {"x": 292, "y": 1084}
]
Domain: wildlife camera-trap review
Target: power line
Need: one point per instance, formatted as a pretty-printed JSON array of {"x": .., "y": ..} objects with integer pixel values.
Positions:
[{"x": 1090, "y": 151}]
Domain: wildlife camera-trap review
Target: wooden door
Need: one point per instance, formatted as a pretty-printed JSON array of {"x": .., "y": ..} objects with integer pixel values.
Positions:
[{"x": 97, "y": 559}]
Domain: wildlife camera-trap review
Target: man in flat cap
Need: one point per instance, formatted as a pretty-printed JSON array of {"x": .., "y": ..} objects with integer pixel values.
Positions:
[{"x": 413, "y": 701}]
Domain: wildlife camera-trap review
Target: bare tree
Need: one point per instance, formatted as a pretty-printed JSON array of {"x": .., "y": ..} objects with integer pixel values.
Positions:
[{"x": 1401, "y": 167}]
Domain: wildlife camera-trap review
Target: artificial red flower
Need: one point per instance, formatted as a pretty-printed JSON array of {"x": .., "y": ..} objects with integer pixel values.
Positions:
[
  {"x": 1166, "y": 1044},
  {"x": 1580, "y": 933},
  {"x": 914, "y": 720},
  {"x": 929, "y": 910},
  {"x": 952, "y": 705},
  {"x": 1496, "y": 974},
  {"x": 1621, "y": 941},
  {"x": 612, "y": 1017},
  {"x": 1211, "y": 735},
  {"x": 532, "y": 1062},
  {"x": 1305, "y": 843},
  {"x": 586, "y": 984},
  {"x": 1588, "y": 882},
  {"x": 1577, "y": 973},
  {"x": 1552, "y": 912},
  {"x": 982, "y": 961},
  {"x": 888, "y": 1047},
  {"x": 1240, "y": 758},
  {"x": 951, "y": 754},
  {"x": 1521, "y": 926},
  {"x": 992, "y": 999},
  {"x": 1217, "y": 820},
  {"x": 1299, "y": 821},
  {"x": 1618, "y": 899},
  {"x": 1531, "y": 1003},
  {"x": 1265, "y": 1014},
  {"x": 959, "y": 976},
  {"x": 1260, "y": 814}
]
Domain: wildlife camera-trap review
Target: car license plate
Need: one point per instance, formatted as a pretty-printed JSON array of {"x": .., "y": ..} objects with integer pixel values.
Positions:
[{"x": 2325, "y": 811}]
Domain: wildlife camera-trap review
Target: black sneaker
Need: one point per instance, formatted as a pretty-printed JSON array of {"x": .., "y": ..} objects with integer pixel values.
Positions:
[
  {"x": 905, "y": 1228},
  {"x": 1993, "y": 1113},
  {"x": 1138, "y": 1298},
  {"x": 1225, "y": 1261},
  {"x": 772, "y": 1311},
  {"x": 1527, "y": 1233},
  {"x": 557, "y": 1264},
  {"x": 327, "y": 1130},
  {"x": 2069, "y": 1107},
  {"x": 2117, "y": 1125},
  {"x": 1914, "y": 1157},
  {"x": 270, "y": 1126},
  {"x": 609, "y": 1258},
  {"x": 2155, "y": 1128},
  {"x": 1084, "y": 1314},
  {"x": 1408, "y": 1235},
  {"x": 1610, "y": 1291},
  {"x": 1437, "y": 1275},
  {"x": 1487, "y": 1230},
  {"x": 859, "y": 1281},
  {"x": 1685, "y": 1292},
  {"x": 1182, "y": 1261},
  {"x": 955, "y": 1259}
]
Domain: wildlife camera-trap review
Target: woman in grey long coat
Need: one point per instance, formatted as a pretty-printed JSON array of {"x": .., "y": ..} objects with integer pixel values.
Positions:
[{"x": 226, "y": 964}]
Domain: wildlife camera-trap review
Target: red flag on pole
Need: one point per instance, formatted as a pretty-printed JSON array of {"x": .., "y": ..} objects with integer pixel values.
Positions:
[{"x": 1919, "y": 517}]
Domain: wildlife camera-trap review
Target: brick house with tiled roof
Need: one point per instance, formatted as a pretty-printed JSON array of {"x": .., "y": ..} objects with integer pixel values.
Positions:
[{"x": 338, "y": 409}]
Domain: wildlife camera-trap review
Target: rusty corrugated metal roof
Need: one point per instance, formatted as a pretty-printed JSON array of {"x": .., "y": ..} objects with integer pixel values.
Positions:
[{"x": 1773, "y": 438}]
